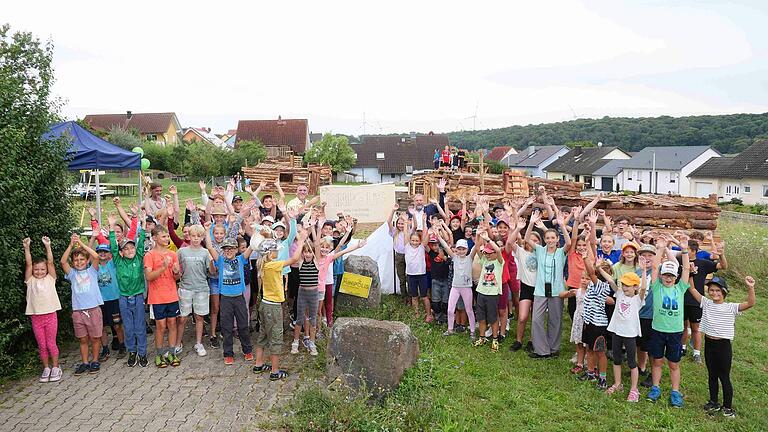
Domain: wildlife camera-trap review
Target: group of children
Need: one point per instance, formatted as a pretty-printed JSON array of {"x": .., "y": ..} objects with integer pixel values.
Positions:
[
  {"x": 631, "y": 295},
  {"x": 234, "y": 260}
]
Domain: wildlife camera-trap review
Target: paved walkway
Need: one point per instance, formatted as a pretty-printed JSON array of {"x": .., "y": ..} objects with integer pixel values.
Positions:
[{"x": 200, "y": 395}]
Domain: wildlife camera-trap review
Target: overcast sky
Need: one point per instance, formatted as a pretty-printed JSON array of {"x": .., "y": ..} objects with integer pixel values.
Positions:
[{"x": 412, "y": 65}]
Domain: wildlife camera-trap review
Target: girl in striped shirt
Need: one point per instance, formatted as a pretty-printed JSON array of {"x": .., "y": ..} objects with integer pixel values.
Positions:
[{"x": 306, "y": 301}]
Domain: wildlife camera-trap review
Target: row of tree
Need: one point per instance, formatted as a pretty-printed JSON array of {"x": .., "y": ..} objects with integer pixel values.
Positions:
[{"x": 726, "y": 133}]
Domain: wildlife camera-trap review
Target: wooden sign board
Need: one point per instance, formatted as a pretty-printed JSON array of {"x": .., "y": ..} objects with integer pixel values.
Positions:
[
  {"x": 366, "y": 203},
  {"x": 355, "y": 284}
]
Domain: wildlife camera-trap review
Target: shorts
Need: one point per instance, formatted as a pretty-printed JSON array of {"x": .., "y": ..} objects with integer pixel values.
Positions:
[
  {"x": 166, "y": 310},
  {"x": 193, "y": 301},
  {"x": 417, "y": 285},
  {"x": 440, "y": 290},
  {"x": 88, "y": 322},
  {"x": 526, "y": 292},
  {"x": 592, "y": 334},
  {"x": 667, "y": 345},
  {"x": 692, "y": 313},
  {"x": 306, "y": 305},
  {"x": 644, "y": 340},
  {"x": 270, "y": 327},
  {"x": 110, "y": 313},
  {"x": 487, "y": 308},
  {"x": 213, "y": 284},
  {"x": 504, "y": 297}
]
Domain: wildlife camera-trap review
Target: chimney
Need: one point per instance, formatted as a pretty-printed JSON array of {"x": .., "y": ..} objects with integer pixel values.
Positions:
[
  {"x": 128, "y": 115},
  {"x": 531, "y": 150}
]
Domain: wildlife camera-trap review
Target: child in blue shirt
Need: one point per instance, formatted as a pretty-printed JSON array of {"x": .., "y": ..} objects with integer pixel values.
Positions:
[{"x": 110, "y": 310}]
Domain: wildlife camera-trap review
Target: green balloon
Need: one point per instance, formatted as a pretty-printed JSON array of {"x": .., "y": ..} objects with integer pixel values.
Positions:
[
  {"x": 138, "y": 150},
  {"x": 144, "y": 163}
]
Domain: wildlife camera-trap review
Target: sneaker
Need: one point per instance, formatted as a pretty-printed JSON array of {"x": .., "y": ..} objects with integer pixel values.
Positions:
[
  {"x": 200, "y": 350},
  {"x": 305, "y": 341},
  {"x": 495, "y": 346},
  {"x": 95, "y": 367},
  {"x": 458, "y": 328},
  {"x": 121, "y": 351},
  {"x": 515, "y": 346},
  {"x": 602, "y": 384},
  {"x": 587, "y": 376},
  {"x": 215, "y": 342},
  {"x": 115, "y": 343},
  {"x": 529, "y": 347},
  {"x": 643, "y": 373},
  {"x": 614, "y": 388},
  {"x": 56, "y": 374},
  {"x": 697, "y": 358},
  {"x": 248, "y": 357},
  {"x": 654, "y": 394},
  {"x": 174, "y": 360},
  {"x": 648, "y": 381},
  {"x": 535, "y": 356},
  {"x": 501, "y": 338},
  {"x": 576, "y": 370},
  {"x": 711, "y": 407},
  {"x": 480, "y": 342},
  {"x": 143, "y": 361},
  {"x": 160, "y": 362},
  {"x": 104, "y": 354},
  {"x": 229, "y": 360},
  {"x": 295, "y": 347},
  {"x": 82, "y": 368},
  {"x": 178, "y": 350},
  {"x": 312, "y": 348},
  {"x": 729, "y": 412},
  {"x": 633, "y": 396},
  {"x": 676, "y": 399},
  {"x": 46, "y": 376},
  {"x": 448, "y": 333}
]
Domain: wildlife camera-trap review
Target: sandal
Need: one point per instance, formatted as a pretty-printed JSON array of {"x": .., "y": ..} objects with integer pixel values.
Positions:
[
  {"x": 614, "y": 388},
  {"x": 263, "y": 368},
  {"x": 281, "y": 374}
]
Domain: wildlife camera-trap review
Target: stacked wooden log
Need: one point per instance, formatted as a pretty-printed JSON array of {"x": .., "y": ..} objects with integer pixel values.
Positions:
[{"x": 290, "y": 176}]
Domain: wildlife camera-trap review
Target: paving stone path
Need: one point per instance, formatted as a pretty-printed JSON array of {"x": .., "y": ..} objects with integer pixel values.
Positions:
[{"x": 202, "y": 394}]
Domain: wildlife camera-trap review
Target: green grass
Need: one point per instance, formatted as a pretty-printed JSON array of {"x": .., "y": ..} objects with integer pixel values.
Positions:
[{"x": 456, "y": 387}]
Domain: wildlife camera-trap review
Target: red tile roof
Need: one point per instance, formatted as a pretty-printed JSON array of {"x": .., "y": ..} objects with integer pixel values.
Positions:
[
  {"x": 497, "y": 153},
  {"x": 399, "y": 152},
  {"x": 145, "y": 123},
  {"x": 275, "y": 133}
]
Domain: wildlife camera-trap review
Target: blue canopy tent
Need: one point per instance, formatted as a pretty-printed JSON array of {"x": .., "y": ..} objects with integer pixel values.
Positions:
[{"x": 89, "y": 152}]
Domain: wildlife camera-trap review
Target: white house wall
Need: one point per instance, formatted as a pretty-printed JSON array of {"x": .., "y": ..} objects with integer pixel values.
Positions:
[{"x": 685, "y": 184}]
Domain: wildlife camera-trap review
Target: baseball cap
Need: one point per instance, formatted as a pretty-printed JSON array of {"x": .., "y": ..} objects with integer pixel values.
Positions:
[
  {"x": 488, "y": 248},
  {"x": 461, "y": 243},
  {"x": 237, "y": 198},
  {"x": 630, "y": 279},
  {"x": 269, "y": 219},
  {"x": 432, "y": 238},
  {"x": 229, "y": 243},
  {"x": 720, "y": 282},
  {"x": 102, "y": 247},
  {"x": 670, "y": 267},
  {"x": 502, "y": 220},
  {"x": 151, "y": 219},
  {"x": 278, "y": 225},
  {"x": 632, "y": 245},
  {"x": 126, "y": 241},
  {"x": 268, "y": 245}
]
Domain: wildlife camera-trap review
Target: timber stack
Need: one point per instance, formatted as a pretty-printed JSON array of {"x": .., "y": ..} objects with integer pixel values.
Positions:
[{"x": 290, "y": 174}]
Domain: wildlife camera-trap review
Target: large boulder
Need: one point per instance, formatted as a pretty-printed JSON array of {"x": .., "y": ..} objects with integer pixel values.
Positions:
[
  {"x": 364, "y": 266},
  {"x": 370, "y": 353}
]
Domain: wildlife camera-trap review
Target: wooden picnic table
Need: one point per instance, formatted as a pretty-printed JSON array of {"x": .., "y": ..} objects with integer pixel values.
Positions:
[{"x": 123, "y": 188}]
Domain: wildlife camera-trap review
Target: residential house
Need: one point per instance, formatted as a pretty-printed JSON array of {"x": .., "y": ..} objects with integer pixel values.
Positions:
[
  {"x": 579, "y": 163},
  {"x": 279, "y": 136},
  {"x": 203, "y": 135},
  {"x": 744, "y": 176},
  {"x": 606, "y": 178},
  {"x": 661, "y": 170},
  {"x": 500, "y": 154},
  {"x": 534, "y": 159},
  {"x": 315, "y": 137},
  {"x": 162, "y": 128},
  {"x": 394, "y": 158}
]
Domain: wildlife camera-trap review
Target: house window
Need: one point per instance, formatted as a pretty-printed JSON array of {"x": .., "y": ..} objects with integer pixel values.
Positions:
[
  {"x": 286, "y": 178},
  {"x": 732, "y": 190},
  {"x": 629, "y": 174},
  {"x": 151, "y": 137},
  {"x": 380, "y": 156},
  {"x": 672, "y": 177},
  {"x": 391, "y": 176},
  {"x": 409, "y": 169},
  {"x": 747, "y": 189},
  {"x": 765, "y": 191}
]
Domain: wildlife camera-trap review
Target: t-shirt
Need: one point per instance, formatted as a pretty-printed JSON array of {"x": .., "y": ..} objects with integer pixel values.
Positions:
[
  {"x": 704, "y": 267},
  {"x": 462, "y": 271},
  {"x": 85, "y": 288},
  {"x": 619, "y": 269},
  {"x": 130, "y": 272},
  {"x": 108, "y": 281},
  {"x": 415, "y": 264},
  {"x": 526, "y": 271},
  {"x": 718, "y": 320},
  {"x": 41, "y": 295},
  {"x": 439, "y": 266},
  {"x": 625, "y": 321},
  {"x": 398, "y": 239},
  {"x": 324, "y": 274},
  {"x": 613, "y": 256},
  {"x": 594, "y": 303},
  {"x": 163, "y": 289},
  {"x": 295, "y": 204},
  {"x": 491, "y": 273},
  {"x": 576, "y": 268},
  {"x": 668, "y": 306},
  {"x": 194, "y": 268},
  {"x": 231, "y": 277},
  {"x": 272, "y": 279},
  {"x": 646, "y": 311},
  {"x": 549, "y": 269}
]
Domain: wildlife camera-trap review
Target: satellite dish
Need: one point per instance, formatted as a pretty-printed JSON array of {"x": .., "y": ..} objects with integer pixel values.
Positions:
[{"x": 599, "y": 143}]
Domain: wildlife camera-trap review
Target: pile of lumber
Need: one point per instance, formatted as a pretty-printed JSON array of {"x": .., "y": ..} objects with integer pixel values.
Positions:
[
  {"x": 290, "y": 176},
  {"x": 555, "y": 187}
]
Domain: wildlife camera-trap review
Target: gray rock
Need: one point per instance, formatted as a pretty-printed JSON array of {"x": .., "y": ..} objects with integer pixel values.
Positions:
[
  {"x": 364, "y": 266},
  {"x": 370, "y": 353}
]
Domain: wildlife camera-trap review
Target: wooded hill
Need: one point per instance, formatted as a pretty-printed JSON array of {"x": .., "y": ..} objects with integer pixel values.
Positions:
[{"x": 726, "y": 133}]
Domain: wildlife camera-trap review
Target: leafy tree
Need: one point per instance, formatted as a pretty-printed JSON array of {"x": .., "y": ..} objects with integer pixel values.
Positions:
[
  {"x": 127, "y": 139},
  {"x": 495, "y": 167},
  {"x": 247, "y": 153},
  {"x": 160, "y": 157},
  {"x": 203, "y": 160},
  {"x": 33, "y": 183},
  {"x": 585, "y": 144},
  {"x": 333, "y": 150}
]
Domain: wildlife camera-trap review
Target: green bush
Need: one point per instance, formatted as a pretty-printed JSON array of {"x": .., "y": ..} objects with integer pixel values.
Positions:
[{"x": 33, "y": 184}]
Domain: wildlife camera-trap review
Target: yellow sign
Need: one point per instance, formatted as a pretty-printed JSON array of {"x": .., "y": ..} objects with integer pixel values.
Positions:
[{"x": 355, "y": 284}]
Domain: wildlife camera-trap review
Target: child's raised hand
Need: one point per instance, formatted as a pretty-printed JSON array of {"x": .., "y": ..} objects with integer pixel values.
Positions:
[
  {"x": 750, "y": 281},
  {"x": 111, "y": 219},
  {"x": 202, "y": 185},
  {"x": 592, "y": 217},
  {"x": 116, "y": 201},
  {"x": 190, "y": 205},
  {"x": 92, "y": 212},
  {"x": 74, "y": 239},
  {"x": 207, "y": 224},
  {"x": 395, "y": 207},
  {"x": 172, "y": 190},
  {"x": 27, "y": 241}
]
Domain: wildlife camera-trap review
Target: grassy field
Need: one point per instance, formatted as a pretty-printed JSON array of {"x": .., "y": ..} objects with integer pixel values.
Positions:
[{"x": 456, "y": 387}]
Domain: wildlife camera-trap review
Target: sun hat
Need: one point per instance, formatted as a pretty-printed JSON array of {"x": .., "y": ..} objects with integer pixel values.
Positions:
[
  {"x": 218, "y": 211},
  {"x": 630, "y": 279},
  {"x": 670, "y": 267}
]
